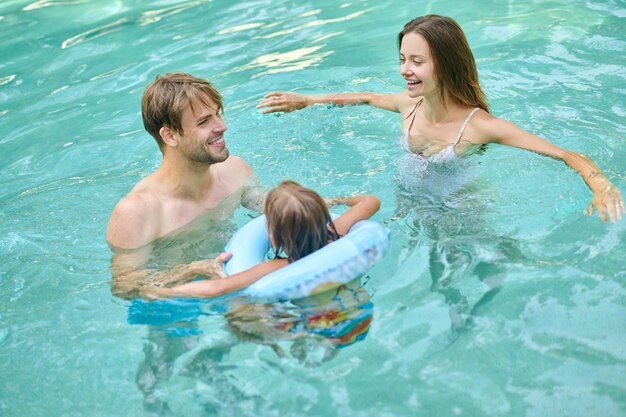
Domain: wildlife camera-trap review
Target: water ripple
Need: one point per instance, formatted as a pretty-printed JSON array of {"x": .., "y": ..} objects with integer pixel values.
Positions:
[
  {"x": 7, "y": 79},
  {"x": 95, "y": 33},
  {"x": 154, "y": 16},
  {"x": 239, "y": 28},
  {"x": 315, "y": 23},
  {"x": 286, "y": 61},
  {"x": 47, "y": 3}
]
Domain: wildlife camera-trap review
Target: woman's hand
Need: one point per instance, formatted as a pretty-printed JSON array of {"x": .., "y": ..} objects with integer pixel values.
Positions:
[
  {"x": 608, "y": 201},
  {"x": 283, "y": 101}
]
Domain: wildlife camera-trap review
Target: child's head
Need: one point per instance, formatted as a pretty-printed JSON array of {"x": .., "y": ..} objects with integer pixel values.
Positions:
[{"x": 298, "y": 220}]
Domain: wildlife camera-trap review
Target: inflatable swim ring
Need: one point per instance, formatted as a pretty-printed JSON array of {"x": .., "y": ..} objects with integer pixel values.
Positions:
[{"x": 337, "y": 263}]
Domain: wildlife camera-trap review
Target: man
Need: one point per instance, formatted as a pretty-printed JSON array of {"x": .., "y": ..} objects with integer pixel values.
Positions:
[{"x": 196, "y": 175}]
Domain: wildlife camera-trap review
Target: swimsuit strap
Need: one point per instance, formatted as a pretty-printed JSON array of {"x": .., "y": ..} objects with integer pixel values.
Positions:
[
  {"x": 465, "y": 124},
  {"x": 414, "y": 112}
]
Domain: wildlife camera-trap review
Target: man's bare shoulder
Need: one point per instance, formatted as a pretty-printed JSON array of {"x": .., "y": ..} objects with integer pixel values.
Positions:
[
  {"x": 135, "y": 220},
  {"x": 235, "y": 164},
  {"x": 235, "y": 170}
]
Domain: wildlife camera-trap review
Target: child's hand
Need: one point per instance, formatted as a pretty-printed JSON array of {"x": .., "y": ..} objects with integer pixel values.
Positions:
[
  {"x": 150, "y": 293},
  {"x": 334, "y": 201}
]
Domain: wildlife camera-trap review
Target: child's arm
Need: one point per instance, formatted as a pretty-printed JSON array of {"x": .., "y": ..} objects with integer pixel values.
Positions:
[
  {"x": 361, "y": 207},
  {"x": 216, "y": 287}
]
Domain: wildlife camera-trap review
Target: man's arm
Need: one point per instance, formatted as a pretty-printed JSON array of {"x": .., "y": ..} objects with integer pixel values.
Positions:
[
  {"x": 240, "y": 175},
  {"x": 135, "y": 222},
  {"x": 129, "y": 277},
  {"x": 134, "y": 225},
  {"x": 253, "y": 196}
]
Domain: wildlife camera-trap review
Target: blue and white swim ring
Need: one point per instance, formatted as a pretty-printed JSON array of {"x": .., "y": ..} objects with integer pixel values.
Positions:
[{"x": 339, "y": 262}]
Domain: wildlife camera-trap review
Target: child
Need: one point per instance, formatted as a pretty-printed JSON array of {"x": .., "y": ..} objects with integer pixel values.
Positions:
[{"x": 298, "y": 224}]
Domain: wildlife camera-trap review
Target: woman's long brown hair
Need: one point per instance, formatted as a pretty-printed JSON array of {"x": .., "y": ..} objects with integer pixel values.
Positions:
[{"x": 454, "y": 64}]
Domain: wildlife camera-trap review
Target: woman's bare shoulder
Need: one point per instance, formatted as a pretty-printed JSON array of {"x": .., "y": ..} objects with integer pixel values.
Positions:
[
  {"x": 486, "y": 126},
  {"x": 405, "y": 103}
]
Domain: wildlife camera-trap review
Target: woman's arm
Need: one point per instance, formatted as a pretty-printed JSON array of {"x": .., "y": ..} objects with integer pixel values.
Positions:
[
  {"x": 289, "y": 101},
  {"x": 607, "y": 199},
  {"x": 216, "y": 287},
  {"x": 361, "y": 207}
]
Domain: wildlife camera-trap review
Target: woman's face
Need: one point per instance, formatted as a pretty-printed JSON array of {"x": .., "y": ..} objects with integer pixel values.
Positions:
[{"x": 417, "y": 66}]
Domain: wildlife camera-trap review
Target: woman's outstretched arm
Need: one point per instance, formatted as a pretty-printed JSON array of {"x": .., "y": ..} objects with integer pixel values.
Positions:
[
  {"x": 287, "y": 101},
  {"x": 607, "y": 199}
]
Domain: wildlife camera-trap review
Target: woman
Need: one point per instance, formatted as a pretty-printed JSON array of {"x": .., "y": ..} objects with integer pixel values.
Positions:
[{"x": 444, "y": 109}]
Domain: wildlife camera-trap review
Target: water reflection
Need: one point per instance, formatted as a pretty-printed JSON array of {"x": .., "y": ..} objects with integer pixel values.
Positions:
[
  {"x": 154, "y": 16},
  {"x": 47, "y": 3},
  {"x": 146, "y": 18},
  {"x": 315, "y": 327},
  {"x": 310, "y": 331},
  {"x": 295, "y": 60},
  {"x": 445, "y": 208},
  {"x": 239, "y": 28},
  {"x": 7, "y": 79},
  {"x": 95, "y": 33},
  {"x": 315, "y": 23}
]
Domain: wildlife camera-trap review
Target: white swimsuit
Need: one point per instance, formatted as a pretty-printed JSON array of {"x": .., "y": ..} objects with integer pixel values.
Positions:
[
  {"x": 446, "y": 154},
  {"x": 433, "y": 173}
]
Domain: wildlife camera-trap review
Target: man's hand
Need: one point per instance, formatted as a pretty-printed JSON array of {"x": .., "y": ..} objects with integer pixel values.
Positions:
[{"x": 210, "y": 268}]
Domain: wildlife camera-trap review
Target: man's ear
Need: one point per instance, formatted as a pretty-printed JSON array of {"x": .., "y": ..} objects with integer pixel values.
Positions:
[{"x": 167, "y": 134}]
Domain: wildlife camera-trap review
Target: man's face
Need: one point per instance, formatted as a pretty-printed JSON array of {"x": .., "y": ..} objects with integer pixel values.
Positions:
[{"x": 203, "y": 133}]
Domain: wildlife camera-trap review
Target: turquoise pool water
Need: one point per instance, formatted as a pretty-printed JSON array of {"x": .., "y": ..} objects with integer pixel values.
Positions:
[{"x": 500, "y": 300}]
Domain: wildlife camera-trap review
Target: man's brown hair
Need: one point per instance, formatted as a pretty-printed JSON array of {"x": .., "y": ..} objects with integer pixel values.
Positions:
[{"x": 165, "y": 99}]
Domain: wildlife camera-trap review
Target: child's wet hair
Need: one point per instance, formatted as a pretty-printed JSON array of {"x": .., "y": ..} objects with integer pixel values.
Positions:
[{"x": 298, "y": 220}]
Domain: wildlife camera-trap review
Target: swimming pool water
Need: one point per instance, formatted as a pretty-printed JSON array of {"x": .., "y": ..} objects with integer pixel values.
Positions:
[{"x": 502, "y": 299}]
